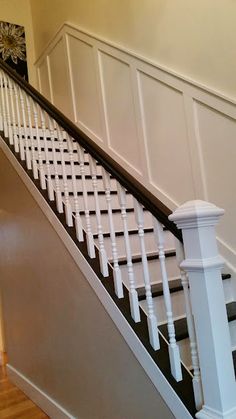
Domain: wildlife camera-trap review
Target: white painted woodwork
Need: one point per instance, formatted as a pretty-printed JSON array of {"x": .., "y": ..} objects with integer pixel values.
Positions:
[
  {"x": 173, "y": 347},
  {"x": 197, "y": 382},
  {"x": 89, "y": 234},
  {"x": 75, "y": 189},
  {"x": 29, "y": 108},
  {"x": 163, "y": 129},
  {"x": 13, "y": 114},
  {"x": 43, "y": 76},
  {"x": 8, "y": 116},
  {"x": 3, "y": 101},
  {"x": 102, "y": 251},
  {"x": 151, "y": 317},
  {"x": 58, "y": 194},
  {"x": 116, "y": 269},
  {"x": 25, "y": 135},
  {"x": 119, "y": 109},
  {"x": 45, "y": 145},
  {"x": 133, "y": 295},
  {"x": 58, "y": 77},
  {"x": 198, "y": 219},
  {"x": 84, "y": 86}
]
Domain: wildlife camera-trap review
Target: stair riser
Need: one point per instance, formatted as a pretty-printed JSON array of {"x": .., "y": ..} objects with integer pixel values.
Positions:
[
  {"x": 102, "y": 202},
  {"x": 89, "y": 185},
  {"x": 178, "y": 306},
  {"x": 184, "y": 347},
  {"x": 154, "y": 271},
  {"x": 118, "y": 223},
  {"x": 68, "y": 169},
  {"x": 134, "y": 244},
  {"x": 58, "y": 156}
]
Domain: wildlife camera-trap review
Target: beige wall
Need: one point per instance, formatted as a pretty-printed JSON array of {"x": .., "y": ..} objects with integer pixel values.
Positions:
[
  {"x": 194, "y": 38},
  {"x": 57, "y": 332},
  {"x": 18, "y": 12}
]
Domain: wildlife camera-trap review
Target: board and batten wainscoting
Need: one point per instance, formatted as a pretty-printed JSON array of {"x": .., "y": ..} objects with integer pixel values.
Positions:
[{"x": 174, "y": 135}]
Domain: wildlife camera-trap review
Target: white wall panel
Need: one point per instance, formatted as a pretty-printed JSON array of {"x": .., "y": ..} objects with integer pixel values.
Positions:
[
  {"x": 166, "y": 138},
  {"x": 84, "y": 86},
  {"x": 44, "y": 79},
  {"x": 217, "y": 133},
  {"x": 119, "y": 108},
  {"x": 176, "y": 137},
  {"x": 59, "y": 79}
]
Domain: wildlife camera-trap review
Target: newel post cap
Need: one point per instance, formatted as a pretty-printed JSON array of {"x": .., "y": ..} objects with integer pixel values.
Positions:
[{"x": 196, "y": 214}]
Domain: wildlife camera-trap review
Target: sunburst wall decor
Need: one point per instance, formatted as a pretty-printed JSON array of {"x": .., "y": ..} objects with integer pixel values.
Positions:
[{"x": 13, "y": 47}]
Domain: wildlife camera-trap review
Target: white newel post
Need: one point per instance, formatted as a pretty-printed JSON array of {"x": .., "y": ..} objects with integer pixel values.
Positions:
[{"x": 198, "y": 219}]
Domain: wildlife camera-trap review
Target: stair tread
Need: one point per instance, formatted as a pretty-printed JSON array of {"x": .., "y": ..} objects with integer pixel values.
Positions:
[
  {"x": 181, "y": 329},
  {"x": 174, "y": 285}
]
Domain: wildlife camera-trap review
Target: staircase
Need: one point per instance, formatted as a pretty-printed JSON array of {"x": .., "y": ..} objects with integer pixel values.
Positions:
[{"x": 123, "y": 231}]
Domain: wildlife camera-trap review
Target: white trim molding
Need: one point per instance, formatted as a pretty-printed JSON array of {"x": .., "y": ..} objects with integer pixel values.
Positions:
[{"x": 39, "y": 397}]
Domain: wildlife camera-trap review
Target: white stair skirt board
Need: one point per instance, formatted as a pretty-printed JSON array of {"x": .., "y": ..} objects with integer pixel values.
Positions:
[
  {"x": 151, "y": 369},
  {"x": 41, "y": 399}
]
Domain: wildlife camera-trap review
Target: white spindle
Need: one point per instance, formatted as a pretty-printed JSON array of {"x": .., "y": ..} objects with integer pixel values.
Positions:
[
  {"x": 68, "y": 211},
  {"x": 173, "y": 347},
  {"x": 20, "y": 128},
  {"x": 116, "y": 269},
  {"x": 78, "y": 222},
  {"x": 31, "y": 136},
  {"x": 6, "y": 90},
  {"x": 15, "y": 133},
  {"x": 4, "y": 112},
  {"x": 197, "y": 382},
  {"x": 59, "y": 203},
  {"x": 25, "y": 131},
  {"x": 133, "y": 295},
  {"x": 1, "y": 108},
  {"x": 40, "y": 159},
  {"x": 48, "y": 167},
  {"x": 198, "y": 219},
  {"x": 102, "y": 250},
  {"x": 151, "y": 317},
  {"x": 89, "y": 234}
]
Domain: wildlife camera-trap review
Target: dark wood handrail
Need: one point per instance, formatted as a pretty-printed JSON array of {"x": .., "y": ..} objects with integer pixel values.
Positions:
[{"x": 145, "y": 197}]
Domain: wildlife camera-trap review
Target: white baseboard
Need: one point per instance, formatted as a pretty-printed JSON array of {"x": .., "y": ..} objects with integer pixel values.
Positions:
[
  {"x": 153, "y": 372},
  {"x": 41, "y": 399}
]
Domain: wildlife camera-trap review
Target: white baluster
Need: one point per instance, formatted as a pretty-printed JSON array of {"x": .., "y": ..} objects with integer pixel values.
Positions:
[
  {"x": 1, "y": 108},
  {"x": 89, "y": 235},
  {"x": 198, "y": 219},
  {"x": 8, "y": 110},
  {"x": 68, "y": 210},
  {"x": 31, "y": 136},
  {"x": 15, "y": 133},
  {"x": 59, "y": 203},
  {"x": 78, "y": 222},
  {"x": 174, "y": 355},
  {"x": 40, "y": 159},
  {"x": 197, "y": 382},
  {"x": 151, "y": 317},
  {"x": 116, "y": 269},
  {"x": 133, "y": 295},
  {"x": 20, "y": 128},
  {"x": 25, "y": 132},
  {"x": 4, "y": 112},
  {"x": 102, "y": 251},
  {"x": 48, "y": 168}
]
